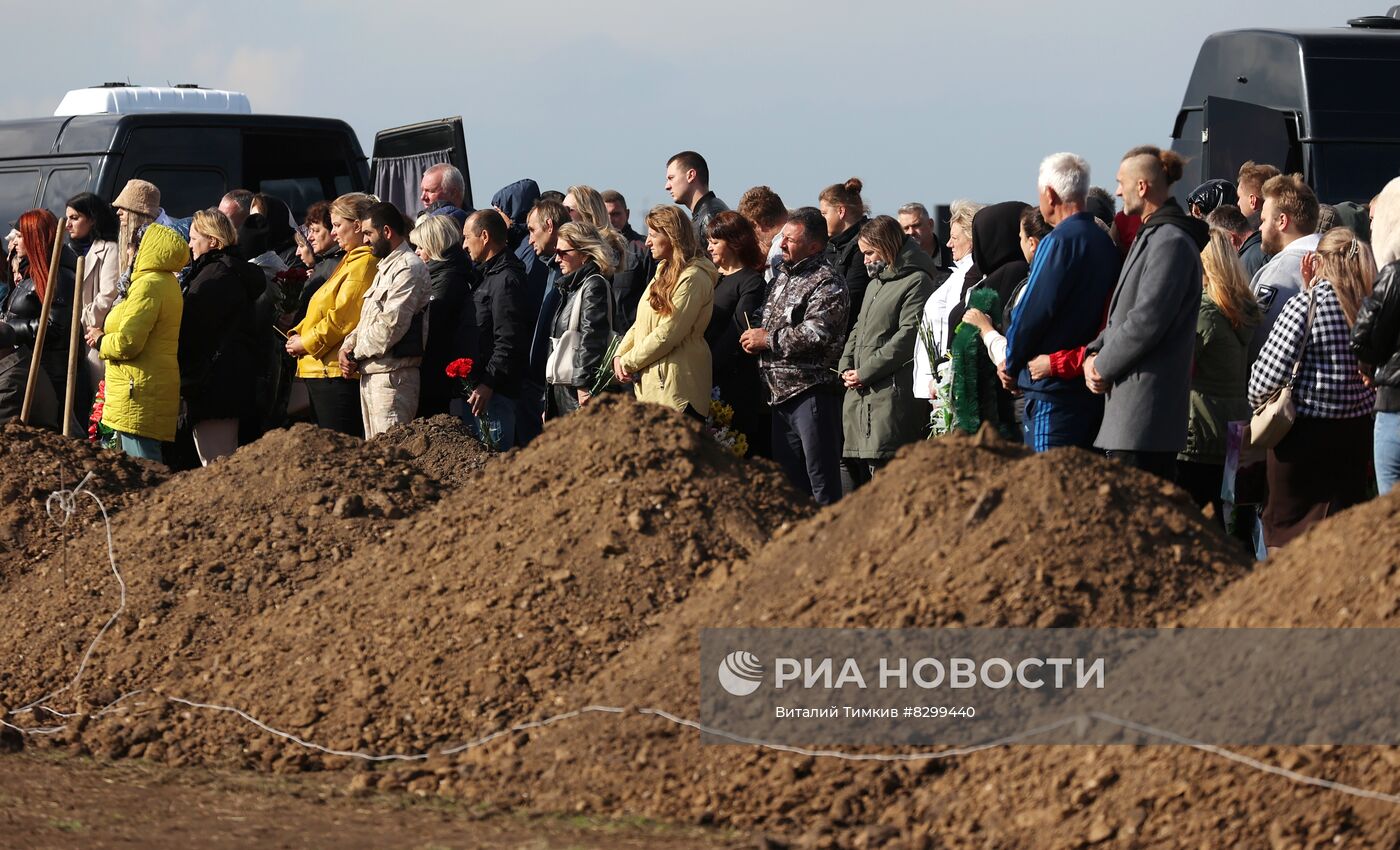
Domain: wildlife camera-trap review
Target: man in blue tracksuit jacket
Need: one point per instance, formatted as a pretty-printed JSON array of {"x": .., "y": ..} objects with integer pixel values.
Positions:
[{"x": 1073, "y": 275}]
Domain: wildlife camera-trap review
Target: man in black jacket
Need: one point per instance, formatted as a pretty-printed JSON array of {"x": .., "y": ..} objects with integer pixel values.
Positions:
[
  {"x": 500, "y": 308},
  {"x": 688, "y": 181}
]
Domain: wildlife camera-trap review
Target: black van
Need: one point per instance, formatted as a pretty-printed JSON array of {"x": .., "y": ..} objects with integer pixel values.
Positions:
[
  {"x": 195, "y": 157},
  {"x": 1317, "y": 102}
]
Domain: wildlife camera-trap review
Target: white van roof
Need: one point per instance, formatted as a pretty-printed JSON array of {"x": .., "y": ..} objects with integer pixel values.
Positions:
[{"x": 122, "y": 100}]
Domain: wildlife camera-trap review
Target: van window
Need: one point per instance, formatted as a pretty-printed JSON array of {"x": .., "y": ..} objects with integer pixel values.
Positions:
[
  {"x": 298, "y": 168},
  {"x": 17, "y": 191},
  {"x": 64, "y": 183},
  {"x": 184, "y": 191}
]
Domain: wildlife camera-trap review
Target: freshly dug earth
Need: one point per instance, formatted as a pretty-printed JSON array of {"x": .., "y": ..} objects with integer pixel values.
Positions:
[
  {"x": 75, "y": 804},
  {"x": 477, "y": 612},
  {"x": 442, "y": 447},
  {"x": 958, "y": 532},
  {"x": 1341, "y": 574},
  {"x": 202, "y": 554},
  {"x": 34, "y": 463}
]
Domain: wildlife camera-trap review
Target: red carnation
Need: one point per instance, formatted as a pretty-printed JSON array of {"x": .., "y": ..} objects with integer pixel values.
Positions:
[{"x": 459, "y": 368}]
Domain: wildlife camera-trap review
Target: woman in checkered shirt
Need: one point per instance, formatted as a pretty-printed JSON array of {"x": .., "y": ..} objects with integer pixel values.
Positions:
[{"x": 1323, "y": 464}]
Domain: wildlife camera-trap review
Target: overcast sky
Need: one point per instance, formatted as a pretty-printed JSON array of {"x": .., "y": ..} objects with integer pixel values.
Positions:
[{"x": 925, "y": 101}]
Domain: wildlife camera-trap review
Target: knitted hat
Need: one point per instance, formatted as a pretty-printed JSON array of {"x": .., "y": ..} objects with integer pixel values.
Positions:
[{"x": 139, "y": 196}]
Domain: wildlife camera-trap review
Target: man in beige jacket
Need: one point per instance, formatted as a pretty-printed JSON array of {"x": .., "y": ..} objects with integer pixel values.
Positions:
[{"x": 386, "y": 346}]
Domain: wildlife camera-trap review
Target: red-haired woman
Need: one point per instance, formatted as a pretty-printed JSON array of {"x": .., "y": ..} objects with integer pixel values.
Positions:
[
  {"x": 664, "y": 353},
  {"x": 23, "y": 307},
  {"x": 739, "y": 295}
]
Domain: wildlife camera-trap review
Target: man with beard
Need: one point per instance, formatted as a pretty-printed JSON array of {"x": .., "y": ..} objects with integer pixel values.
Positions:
[
  {"x": 386, "y": 346},
  {"x": 1249, "y": 189},
  {"x": 1141, "y": 361},
  {"x": 1288, "y": 230}
]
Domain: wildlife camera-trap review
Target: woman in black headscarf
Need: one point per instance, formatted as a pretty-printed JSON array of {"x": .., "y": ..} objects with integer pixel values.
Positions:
[{"x": 998, "y": 267}]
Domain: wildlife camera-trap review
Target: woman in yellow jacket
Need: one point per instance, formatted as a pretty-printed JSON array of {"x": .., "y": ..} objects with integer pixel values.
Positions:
[
  {"x": 333, "y": 312},
  {"x": 140, "y": 342},
  {"x": 664, "y": 353}
]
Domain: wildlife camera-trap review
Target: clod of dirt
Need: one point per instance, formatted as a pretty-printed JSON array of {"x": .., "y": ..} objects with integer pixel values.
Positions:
[
  {"x": 442, "y": 447},
  {"x": 35, "y": 463}
]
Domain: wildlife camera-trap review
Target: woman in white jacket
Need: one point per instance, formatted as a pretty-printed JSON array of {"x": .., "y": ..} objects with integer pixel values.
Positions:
[
  {"x": 941, "y": 303},
  {"x": 92, "y": 226}
]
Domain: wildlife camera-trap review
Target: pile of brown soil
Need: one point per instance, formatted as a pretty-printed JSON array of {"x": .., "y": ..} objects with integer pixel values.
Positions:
[
  {"x": 442, "y": 447},
  {"x": 477, "y": 611},
  {"x": 1341, "y": 574},
  {"x": 35, "y": 463},
  {"x": 958, "y": 532},
  {"x": 486, "y": 608},
  {"x": 202, "y": 554}
]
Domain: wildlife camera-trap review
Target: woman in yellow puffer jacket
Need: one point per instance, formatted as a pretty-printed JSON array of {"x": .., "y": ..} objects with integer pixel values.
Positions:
[
  {"x": 333, "y": 312},
  {"x": 665, "y": 354},
  {"x": 140, "y": 343}
]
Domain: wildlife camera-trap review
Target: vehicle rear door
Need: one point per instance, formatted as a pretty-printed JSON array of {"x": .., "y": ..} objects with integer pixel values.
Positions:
[
  {"x": 402, "y": 154},
  {"x": 1235, "y": 132}
]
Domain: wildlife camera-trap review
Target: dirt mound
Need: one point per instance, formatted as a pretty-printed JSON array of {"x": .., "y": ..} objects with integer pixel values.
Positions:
[
  {"x": 35, "y": 463},
  {"x": 201, "y": 554},
  {"x": 961, "y": 531},
  {"x": 442, "y": 447},
  {"x": 1341, "y": 574},
  {"x": 480, "y": 609}
]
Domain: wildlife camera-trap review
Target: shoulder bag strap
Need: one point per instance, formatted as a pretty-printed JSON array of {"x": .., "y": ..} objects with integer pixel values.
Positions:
[{"x": 1307, "y": 332}]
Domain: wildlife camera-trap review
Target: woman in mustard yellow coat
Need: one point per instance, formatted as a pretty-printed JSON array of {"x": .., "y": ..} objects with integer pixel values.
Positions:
[
  {"x": 140, "y": 342},
  {"x": 665, "y": 354},
  {"x": 332, "y": 314}
]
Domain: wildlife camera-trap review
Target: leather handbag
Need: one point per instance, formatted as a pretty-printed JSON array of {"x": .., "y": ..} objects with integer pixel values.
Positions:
[
  {"x": 1273, "y": 419},
  {"x": 561, "y": 367}
]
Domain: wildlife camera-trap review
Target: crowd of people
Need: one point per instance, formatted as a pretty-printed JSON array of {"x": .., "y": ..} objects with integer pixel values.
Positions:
[{"x": 1149, "y": 332}]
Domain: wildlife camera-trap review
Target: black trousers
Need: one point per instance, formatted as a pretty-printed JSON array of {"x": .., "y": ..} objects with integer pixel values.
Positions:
[
  {"x": 335, "y": 403},
  {"x": 1160, "y": 464},
  {"x": 807, "y": 442},
  {"x": 857, "y": 471}
]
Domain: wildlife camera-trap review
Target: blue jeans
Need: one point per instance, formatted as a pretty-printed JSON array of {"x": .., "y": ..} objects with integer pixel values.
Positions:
[
  {"x": 1052, "y": 421},
  {"x": 1387, "y": 450},
  {"x": 142, "y": 447},
  {"x": 499, "y": 418}
]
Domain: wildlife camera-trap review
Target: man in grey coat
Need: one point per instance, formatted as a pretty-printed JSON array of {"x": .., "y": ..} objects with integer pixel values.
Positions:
[{"x": 1141, "y": 360}]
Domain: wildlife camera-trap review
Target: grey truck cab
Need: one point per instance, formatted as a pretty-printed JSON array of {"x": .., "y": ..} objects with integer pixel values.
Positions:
[
  {"x": 1319, "y": 102},
  {"x": 196, "y": 144}
]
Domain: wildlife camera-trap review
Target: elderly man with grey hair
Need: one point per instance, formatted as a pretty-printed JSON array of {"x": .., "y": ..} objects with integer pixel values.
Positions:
[
  {"x": 1071, "y": 279},
  {"x": 917, "y": 224},
  {"x": 443, "y": 191}
]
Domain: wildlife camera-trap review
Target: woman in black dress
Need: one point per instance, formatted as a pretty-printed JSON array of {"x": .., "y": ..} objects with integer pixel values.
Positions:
[{"x": 739, "y": 297}]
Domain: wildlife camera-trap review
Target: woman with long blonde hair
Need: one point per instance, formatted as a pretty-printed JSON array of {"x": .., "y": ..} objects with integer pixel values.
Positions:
[
  {"x": 664, "y": 354},
  {"x": 1323, "y": 464},
  {"x": 1220, "y": 374},
  {"x": 582, "y": 326}
]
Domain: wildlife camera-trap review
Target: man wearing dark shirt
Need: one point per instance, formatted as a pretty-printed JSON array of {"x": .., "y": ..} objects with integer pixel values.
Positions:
[
  {"x": 501, "y": 309},
  {"x": 688, "y": 181}
]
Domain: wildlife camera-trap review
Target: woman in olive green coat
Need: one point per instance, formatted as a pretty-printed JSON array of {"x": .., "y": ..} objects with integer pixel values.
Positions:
[
  {"x": 1220, "y": 374},
  {"x": 880, "y": 412}
]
